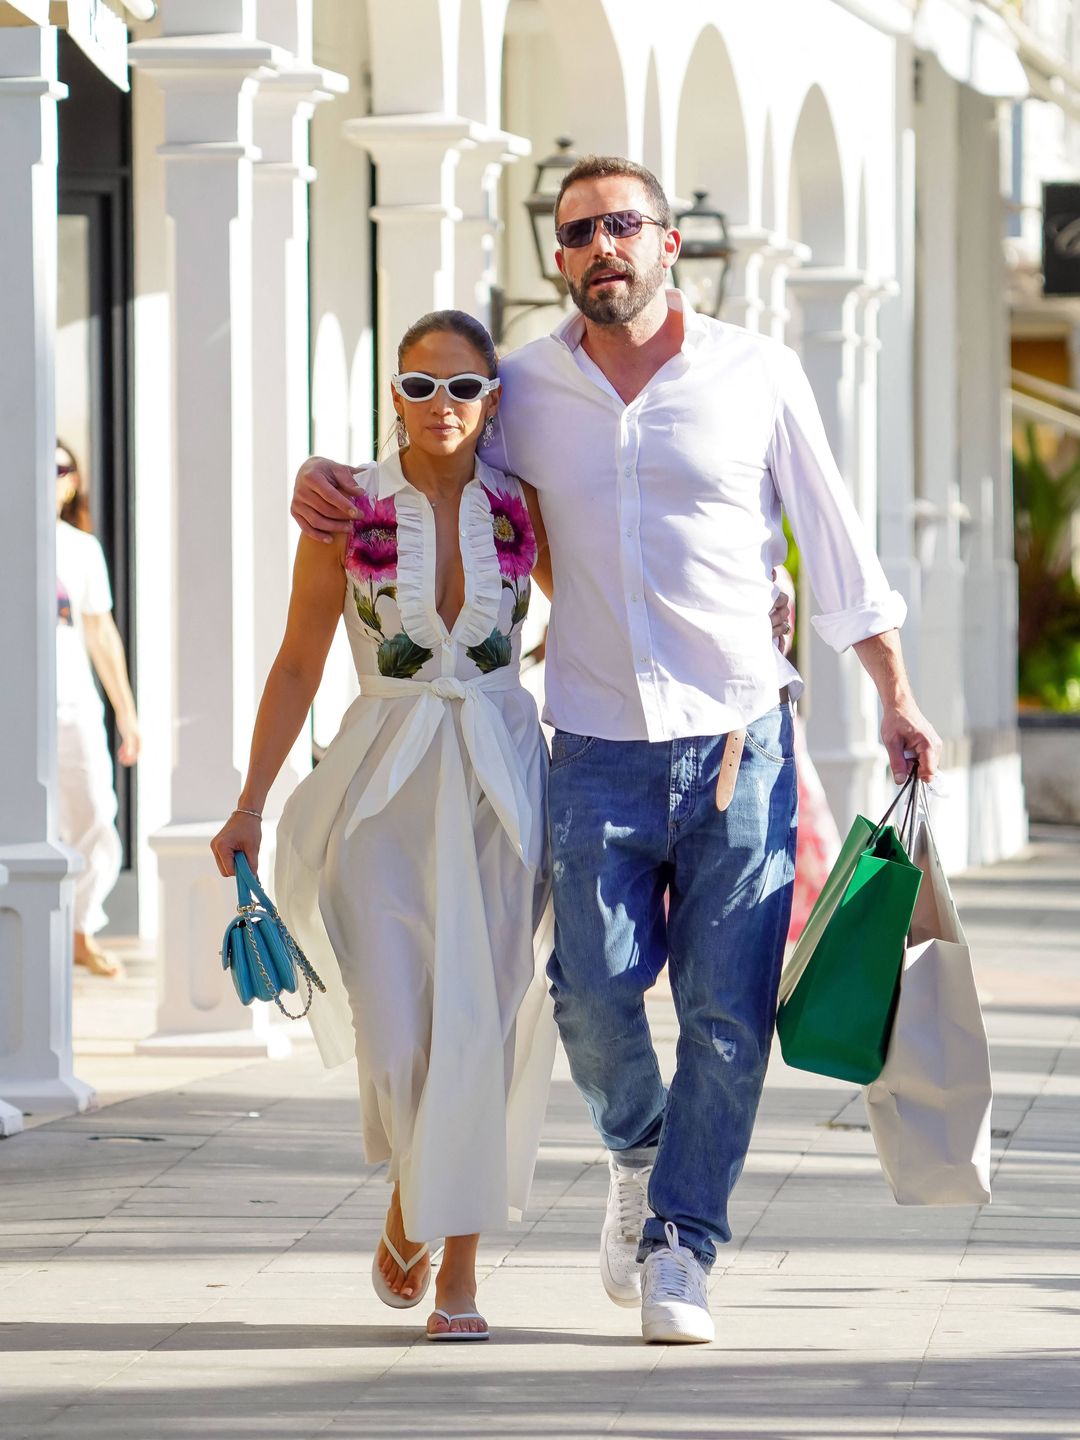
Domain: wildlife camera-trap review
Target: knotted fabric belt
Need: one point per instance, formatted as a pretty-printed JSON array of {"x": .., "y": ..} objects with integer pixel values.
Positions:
[{"x": 495, "y": 758}]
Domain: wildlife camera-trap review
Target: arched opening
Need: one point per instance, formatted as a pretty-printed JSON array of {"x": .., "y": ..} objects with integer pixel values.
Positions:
[
  {"x": 472, "y": 62},
  {"x": 652, "y": 140},
  {"x": 534, "y": 101},
  {"x": 862, "y": 241},
  {"x": 416, "y": 31},
  {"x": 711, "y": 149},
  {"x": 816, "y": 191},
  {"x": 768, "y": 179},
  {"x": 594, "y": 105}
]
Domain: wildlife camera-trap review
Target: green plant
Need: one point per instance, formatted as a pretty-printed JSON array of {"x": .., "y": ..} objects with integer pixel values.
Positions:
[{"x": 1046, "y": 496}]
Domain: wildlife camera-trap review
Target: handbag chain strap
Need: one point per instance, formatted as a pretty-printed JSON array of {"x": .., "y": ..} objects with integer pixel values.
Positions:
[{"x": 253, "y": 911}]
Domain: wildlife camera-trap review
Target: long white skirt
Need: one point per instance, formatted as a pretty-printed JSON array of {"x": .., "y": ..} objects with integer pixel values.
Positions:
[
  {"x": 87, "y": 814},
  {"x": 427, "y": 923}
]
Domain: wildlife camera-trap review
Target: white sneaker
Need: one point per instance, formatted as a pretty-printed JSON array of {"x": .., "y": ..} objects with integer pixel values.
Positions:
[
  {"x": 674, "y": 1300},
  {"x": 627, "y": 1207}
]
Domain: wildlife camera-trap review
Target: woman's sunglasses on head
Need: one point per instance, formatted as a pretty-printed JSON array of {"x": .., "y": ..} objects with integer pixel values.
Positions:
[
  {"x": 619, "y": 224},
  {"x": 415, "y": 385}
]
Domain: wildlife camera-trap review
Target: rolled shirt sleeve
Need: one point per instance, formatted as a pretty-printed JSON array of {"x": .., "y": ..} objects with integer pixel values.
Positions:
[{"x": 845, "y": 574}]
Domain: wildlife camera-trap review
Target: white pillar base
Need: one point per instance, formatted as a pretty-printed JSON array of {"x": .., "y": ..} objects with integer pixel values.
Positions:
[
  {"x": 199, "y": 1012},
  {"x": 11, "y": 1120},
  {"x": 61, "y": 1095},
  {"x": 36, "y": 944},
  {"x": 262, "y": 1040}
]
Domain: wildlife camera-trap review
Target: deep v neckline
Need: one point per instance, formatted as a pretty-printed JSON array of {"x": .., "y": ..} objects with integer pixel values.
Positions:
[{"x": 431, "y": 558}]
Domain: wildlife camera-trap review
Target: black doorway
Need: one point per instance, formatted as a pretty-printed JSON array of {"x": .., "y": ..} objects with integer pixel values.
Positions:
[{"x": 94, "y": 362}]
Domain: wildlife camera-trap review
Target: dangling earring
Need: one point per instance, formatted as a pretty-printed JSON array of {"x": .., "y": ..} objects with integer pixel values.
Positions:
[
  {"x": 401, "y": 433},
  {"x": 488, "y": 431}
]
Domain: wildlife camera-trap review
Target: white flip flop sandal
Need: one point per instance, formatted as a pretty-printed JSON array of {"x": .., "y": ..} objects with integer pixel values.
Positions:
[
  {"x": 459, "y": 1334},
  {"x": 378, "y": 1279}
]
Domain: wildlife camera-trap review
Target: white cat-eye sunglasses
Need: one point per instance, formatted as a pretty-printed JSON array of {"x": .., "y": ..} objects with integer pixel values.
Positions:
[{"x": 415, "y": 385}]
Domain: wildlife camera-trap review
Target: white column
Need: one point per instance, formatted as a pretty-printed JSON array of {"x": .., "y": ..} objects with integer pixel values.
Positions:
[
  {"x": 942, "y": 253},
  {"x": 842, "y": 711},
  {"x": 208, "y": 82},
  {"x": 283, "y": 106},
  {"x": 997, "y": 820},
  {"x": 777, "y": 262},
  {"x": 744, "y": 302},
  {"x": 36, "y": 886},
  {"x": 11, "y": 1119},
  {"x": 476, "y": 239},
  {"x": 416, "y": 157},
  {"x": 897, "y": 409}
]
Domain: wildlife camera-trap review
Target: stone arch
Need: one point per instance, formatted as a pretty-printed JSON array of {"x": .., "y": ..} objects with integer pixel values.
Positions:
[
  {"x": 711, "y": 144},
  {"x": 816, "y": 207}
]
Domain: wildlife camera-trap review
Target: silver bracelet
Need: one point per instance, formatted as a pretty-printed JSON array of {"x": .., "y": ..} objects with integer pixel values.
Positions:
[{"x": 241, "y": 811}]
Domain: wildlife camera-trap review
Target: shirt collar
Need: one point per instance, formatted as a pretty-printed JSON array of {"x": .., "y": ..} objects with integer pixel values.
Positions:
[
  {"x": 391, "y": 476},
  {"x": 570, "y": 332}
]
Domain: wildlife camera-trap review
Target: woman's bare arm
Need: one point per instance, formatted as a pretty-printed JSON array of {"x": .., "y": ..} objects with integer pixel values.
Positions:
[
  {"x": 314, "y": 608},
  {"x": 106, "y": 651}
]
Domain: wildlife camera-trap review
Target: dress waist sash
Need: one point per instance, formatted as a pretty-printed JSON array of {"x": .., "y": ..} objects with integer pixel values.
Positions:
[{"x": 495, "y": 758}]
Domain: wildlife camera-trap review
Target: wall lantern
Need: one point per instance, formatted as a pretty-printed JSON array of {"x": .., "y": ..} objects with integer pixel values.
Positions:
[
  {"x": 540, "y": 207},
  {"x": 705, "y": 257}
]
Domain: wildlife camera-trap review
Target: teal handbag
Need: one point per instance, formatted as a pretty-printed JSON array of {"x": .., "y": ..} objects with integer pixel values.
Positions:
[{"x": 258, "y": 950}]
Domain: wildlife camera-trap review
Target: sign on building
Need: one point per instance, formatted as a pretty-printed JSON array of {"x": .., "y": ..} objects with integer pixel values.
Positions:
[{"x": 1061, "y": 238}]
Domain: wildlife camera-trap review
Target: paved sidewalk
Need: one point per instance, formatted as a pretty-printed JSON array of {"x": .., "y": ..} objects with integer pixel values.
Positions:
[{"x": 194, "y": 1262}]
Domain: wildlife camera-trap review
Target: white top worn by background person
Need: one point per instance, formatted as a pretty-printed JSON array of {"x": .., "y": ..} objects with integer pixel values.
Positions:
[
  {"x": 664, "y": 523},
  {"x": 82, "y": 588}
]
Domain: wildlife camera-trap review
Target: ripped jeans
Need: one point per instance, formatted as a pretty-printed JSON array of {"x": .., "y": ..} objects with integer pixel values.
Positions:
[{"x": 634, "y": 824}]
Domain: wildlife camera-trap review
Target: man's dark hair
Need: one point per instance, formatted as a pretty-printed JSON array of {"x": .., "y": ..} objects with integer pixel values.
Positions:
[{"x": 605, "y": 167}]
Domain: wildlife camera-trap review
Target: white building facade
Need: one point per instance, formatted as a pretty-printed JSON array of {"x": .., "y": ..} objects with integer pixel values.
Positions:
[{"x": 309, "y": 176}]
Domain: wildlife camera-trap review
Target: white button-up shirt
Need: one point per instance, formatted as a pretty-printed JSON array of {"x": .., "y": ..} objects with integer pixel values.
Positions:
[{"x": 664, "y": 523}]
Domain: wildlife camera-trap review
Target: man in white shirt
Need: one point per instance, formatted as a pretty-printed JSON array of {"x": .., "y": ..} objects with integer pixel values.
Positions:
[{"x": 662, "y": 446}]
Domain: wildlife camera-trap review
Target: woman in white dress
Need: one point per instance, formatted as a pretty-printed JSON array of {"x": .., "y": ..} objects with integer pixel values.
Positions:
[{"x": 411, "y": 862}]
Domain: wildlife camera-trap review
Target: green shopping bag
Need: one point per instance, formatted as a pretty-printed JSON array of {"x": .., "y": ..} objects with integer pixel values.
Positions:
[{"x": 839, "y": 988}]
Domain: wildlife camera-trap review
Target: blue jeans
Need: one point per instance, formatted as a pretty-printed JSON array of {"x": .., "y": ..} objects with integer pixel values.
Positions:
[{"x": 634, "y": 822}]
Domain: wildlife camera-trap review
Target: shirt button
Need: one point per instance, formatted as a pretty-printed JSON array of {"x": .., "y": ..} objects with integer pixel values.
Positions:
[
  {"x": 628, "y": 471},
  {"x": 635, "y": 597},
  {"x": 447, "y": 643},
  {"x": 629, "y": 530}
]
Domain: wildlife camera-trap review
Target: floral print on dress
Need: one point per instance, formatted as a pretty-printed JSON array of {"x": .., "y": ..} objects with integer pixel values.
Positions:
[
  {"x": 371, "y": 557},
  {"x": 515, "y": 546}
]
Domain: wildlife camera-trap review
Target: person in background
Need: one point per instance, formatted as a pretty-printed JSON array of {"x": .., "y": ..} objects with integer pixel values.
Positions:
[{"x": 88, "y": 642}]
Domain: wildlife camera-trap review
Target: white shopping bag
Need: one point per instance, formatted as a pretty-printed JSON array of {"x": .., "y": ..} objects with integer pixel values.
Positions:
[{"x": 929, "y": 1110}]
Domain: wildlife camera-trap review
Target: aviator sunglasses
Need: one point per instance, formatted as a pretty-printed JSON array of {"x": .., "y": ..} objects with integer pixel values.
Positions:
[
  {"x": 415, "y": 385},
  {"x": 619, "y": 224}
]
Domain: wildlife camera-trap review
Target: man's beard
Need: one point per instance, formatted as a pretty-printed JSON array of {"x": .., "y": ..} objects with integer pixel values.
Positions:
[{"x": 622, "y": 302}]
